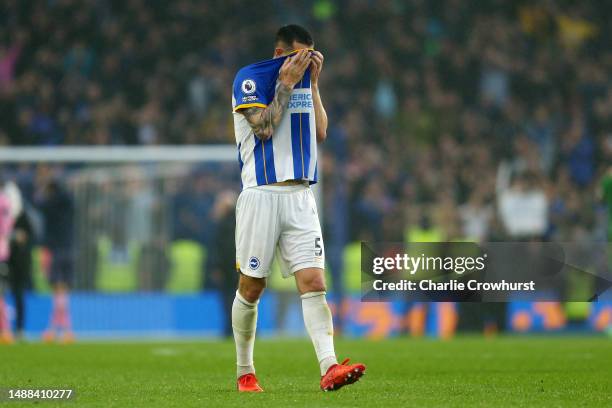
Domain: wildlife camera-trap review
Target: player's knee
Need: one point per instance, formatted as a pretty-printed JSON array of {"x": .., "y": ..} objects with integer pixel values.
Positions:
[
  {"x": 251, "y": 288},
  {"x": 317, "y": 285},
  {"x": 250, "y": 293}
]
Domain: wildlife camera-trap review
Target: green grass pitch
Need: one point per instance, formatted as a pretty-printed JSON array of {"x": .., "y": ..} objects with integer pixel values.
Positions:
[{"x": 468, "y": 371}]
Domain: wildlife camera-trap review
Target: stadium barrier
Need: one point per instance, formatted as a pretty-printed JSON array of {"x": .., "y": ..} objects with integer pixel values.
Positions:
[{"x": 162, "y": 315}]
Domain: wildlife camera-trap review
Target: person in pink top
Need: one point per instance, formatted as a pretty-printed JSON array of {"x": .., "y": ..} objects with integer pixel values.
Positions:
[{"x": 8, "y": 61}]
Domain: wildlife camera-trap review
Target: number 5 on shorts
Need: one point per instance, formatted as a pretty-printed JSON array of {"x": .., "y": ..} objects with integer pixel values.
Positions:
[{"x": 318, "y": 247}]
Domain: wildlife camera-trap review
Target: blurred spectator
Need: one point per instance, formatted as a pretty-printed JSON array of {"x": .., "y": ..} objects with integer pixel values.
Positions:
[
  {"x": 223, "y": 275},
  {"x": 476, "y": 216},
  {"x": 8, "y": 60},
  {"x": 20, "y": 266},
  {"x": 523, "y": 206},
  {"x": 153, "y": 265}
]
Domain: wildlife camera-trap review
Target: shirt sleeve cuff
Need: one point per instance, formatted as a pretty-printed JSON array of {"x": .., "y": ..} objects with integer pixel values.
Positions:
[{"x": 249, "y": 105}]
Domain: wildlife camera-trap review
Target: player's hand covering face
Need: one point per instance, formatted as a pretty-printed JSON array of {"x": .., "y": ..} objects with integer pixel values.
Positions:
[
  {"x": 316, "y": 64},
  {"x": 292, "y": 70}
]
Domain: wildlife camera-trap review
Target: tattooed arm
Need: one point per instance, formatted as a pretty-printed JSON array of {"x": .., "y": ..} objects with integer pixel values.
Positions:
[{"x": 264, "y": 121}]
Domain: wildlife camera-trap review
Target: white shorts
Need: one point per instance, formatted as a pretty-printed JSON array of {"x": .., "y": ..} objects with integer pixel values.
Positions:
[{"x": 282, "y": 220}]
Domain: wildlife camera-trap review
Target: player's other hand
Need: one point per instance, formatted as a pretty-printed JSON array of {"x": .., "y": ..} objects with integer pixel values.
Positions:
[
  {"x": 316, "y": 64},
  {"x": 292, "y": 70}
]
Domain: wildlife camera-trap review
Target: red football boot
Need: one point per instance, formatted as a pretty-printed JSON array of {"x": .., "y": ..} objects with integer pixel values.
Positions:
[
  {"x": 339, "y": 375},
  {"x": 248, "y": 383}
]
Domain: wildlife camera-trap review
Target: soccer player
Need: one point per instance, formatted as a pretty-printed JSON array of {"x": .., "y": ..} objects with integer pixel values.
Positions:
[
  {"x": 278, "y": 120},
  {"x": 6, "y": 227},
  {"x": 58, "y": 211}
]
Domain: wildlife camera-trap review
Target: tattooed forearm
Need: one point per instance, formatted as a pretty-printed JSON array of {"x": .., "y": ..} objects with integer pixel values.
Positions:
[{"x": 263, "y": 121}]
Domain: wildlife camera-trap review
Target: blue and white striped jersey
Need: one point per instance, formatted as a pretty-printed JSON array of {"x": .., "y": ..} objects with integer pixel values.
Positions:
[{"x": 291, "y": 152}]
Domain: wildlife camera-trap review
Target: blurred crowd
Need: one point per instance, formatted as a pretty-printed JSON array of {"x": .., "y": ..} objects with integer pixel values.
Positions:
[{"x": 449, "y": 120}]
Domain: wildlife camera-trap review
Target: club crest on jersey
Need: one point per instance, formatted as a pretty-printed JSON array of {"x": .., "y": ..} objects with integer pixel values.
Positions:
[
  {"x": 248, "y": 86},
  {"x": 253, "y": 263}
]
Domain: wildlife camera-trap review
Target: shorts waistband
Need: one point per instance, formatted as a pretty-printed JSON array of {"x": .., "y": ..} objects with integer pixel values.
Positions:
[{"x": 271, "y": 188}]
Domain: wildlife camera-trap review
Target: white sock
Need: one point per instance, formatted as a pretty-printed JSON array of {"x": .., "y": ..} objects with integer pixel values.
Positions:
[
  {"x": 244, "y": 323},
  {"x": 318, "y": 322}
]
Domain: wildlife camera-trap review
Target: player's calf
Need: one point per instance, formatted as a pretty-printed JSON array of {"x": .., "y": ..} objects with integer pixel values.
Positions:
[{"x": 244, "y": 324}]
